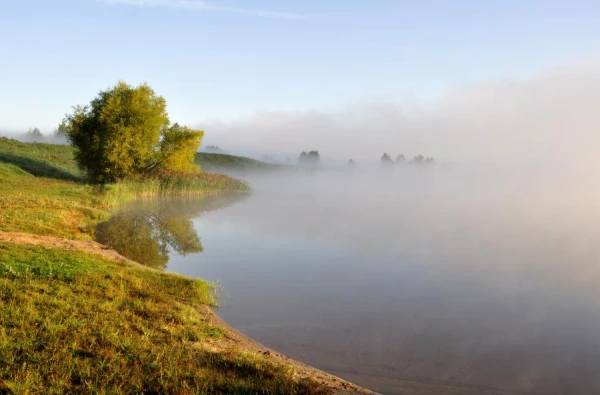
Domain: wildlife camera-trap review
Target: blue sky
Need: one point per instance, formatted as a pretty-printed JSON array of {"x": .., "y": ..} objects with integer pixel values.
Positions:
[{"x": 223, "y": 59}]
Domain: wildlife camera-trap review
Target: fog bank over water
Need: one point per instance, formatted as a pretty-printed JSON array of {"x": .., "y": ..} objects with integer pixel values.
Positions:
[
  {"x": 458, "y": 279},
  {"x": 551, "y": 117},
  {"x": 503, "y": 220}
]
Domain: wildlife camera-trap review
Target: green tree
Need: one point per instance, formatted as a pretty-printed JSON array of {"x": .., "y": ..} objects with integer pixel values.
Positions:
[
  {"x": 125, "y": 131},
  {"x": 178, "y": 148}
]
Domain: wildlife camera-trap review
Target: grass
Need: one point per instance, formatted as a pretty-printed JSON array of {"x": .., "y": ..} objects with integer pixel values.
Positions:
[
  {"x": 40, "y": 159},
  {"x": 217, "y": 162},
  {"x": 75, "y": 323},
  {"x": 178, "y": 184},
  {"x": 47, "y": 206},
  {"x": 43, "y": 192}
]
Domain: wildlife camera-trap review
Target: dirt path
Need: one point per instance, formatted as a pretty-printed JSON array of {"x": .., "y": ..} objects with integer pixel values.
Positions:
[
  {"x": 232, "y": 340},
  {"x": 90, "y": 247}
]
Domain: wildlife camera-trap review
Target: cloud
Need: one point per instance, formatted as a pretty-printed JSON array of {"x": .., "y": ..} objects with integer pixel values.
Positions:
[
  {"x": 200, "y": 5},
  {"x": 551, "y": 117}
]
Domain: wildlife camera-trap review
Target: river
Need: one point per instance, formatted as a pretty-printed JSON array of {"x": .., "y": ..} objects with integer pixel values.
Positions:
[{"x": 414, "y": 281}]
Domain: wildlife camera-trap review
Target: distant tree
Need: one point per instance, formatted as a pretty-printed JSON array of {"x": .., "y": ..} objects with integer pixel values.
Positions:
[
  {"x": 213, "y": 148},
  {"x": 61, "y": 130},
  {"x": 310, "y": 157},
  {"x": 34, "y": 133},
  {"x": 400, "y": 159},
  {"x": 351, "y": 162},
  {"x": 418, "y": 159},
  {"x": 125, "y": 131},
  {"x": 386, "y": 159},
  {"x": 429, "y": 160}
]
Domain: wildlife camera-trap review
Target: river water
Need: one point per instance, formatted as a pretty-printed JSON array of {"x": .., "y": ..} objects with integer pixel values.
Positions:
[{"x": 414, "y": 281}]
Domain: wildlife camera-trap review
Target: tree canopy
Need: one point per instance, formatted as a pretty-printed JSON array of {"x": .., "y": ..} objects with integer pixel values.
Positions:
[
  {"x": 310, "y": 157},
  {"x": 125, "y": 131}
]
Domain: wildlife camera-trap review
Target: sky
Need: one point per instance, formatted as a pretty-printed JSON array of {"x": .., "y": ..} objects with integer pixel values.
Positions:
[{"x": 255, "y": 73}]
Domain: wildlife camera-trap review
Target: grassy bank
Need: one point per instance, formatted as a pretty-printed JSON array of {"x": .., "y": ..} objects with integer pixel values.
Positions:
[
  {"x": 74, "y": 323},
  {"x": 43, "y": 192},
  {"x": 71, "y": 322},
  {"x": 225, "y": 162},
  {"x": 176, "y": 184},
  {"x": 47, "y": 206}
]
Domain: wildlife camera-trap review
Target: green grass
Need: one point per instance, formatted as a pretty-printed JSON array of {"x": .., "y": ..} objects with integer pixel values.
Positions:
[
  {"x": 40, "y": 159},
  {"x": 47, "y": 206},
  {"x": 217, "y": 162},
  {"x": 177, "y": 184},
  {"x": 42, "y": 191},
  {"x": 75, "y": 323}
]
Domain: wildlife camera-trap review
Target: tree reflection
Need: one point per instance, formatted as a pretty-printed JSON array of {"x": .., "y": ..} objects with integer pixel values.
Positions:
[{"x": 150, "y": 230}]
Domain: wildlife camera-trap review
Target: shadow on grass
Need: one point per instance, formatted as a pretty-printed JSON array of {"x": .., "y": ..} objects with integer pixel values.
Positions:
[{"x": 38, "y": 168}]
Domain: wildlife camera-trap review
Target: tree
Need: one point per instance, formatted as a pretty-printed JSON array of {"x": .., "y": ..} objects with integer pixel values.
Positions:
[
  {"x": 125, "y": 131},
  {"x": 311, "y": 157},
  {"x": 178, "y": 148},
  {"x": 385, "y": 159},
  {"x": 61, "y": 130},
  {"x": 35, "y": 133},
  {"x": 400, "y": 158},
  {"x": 213, "y": 148},
  {"x": 418, "y": 159},
  {"x": 351, "y": 162}
]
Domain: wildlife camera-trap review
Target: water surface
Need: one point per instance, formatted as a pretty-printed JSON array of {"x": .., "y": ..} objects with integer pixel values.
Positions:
[{"x": 412, "y": 281}]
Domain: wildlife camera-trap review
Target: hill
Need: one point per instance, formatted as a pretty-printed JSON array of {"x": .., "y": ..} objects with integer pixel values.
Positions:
[{"x": 219, "y": 162}]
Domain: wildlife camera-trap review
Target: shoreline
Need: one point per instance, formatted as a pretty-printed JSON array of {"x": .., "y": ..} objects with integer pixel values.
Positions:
[{"x": 232, "y": 339}]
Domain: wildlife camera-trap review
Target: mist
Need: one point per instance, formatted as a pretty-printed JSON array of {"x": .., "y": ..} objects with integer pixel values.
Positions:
[
  {"x": 485, "y": 277},
  {"x": 547, "y": 119},
  {"x": 49, "y": 138}
]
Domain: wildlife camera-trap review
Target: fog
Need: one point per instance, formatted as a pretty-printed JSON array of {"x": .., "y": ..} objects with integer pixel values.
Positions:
[
  {"x": 49, "y": 138},
  {"x": 471, "y": 216},
  {"x": 549, "y": 118},
  {"x": 434, "y": 279}
]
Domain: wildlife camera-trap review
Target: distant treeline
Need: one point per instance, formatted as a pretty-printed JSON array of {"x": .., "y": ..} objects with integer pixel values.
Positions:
[
  {"x": 401, "y": 159},
  {"x": 34, "y": 134},
  {"x": 214, "y": 148},
  {"x": 311, "y": 157}
]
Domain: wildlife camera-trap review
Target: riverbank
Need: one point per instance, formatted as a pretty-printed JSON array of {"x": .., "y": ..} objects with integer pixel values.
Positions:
[
  {"x": 75, "y": 316},
  {"x": 198, "y": 329},
  {"x": 43, "y": 192}
]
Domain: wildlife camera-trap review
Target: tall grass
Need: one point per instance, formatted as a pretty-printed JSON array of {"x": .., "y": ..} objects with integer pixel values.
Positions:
[{"x": 176, "y": 184}]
